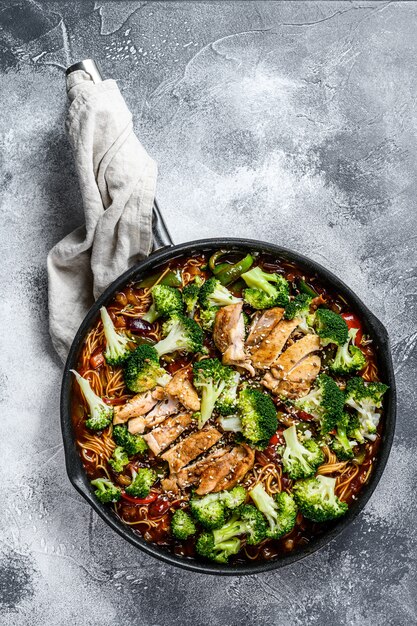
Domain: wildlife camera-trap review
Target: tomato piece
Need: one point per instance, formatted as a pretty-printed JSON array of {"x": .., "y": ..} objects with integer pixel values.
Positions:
[
  {"x": 353, "y": 321},
  {"x": 150, "y": 498},
  {"x": 97, "y": 359},
  {"x": 159, "y": 507},
  {"x": 276, "y": 438},
  {"x": 306, "y": 417}
]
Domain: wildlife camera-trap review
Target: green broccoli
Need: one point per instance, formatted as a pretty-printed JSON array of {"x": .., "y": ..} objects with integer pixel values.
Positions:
[
  {"x": 119, "y": 459},
  {"x": 331, "y": 327},
  {"x": 299, "y": 307},
  {"x": 233, "y": 498},
  {"x": 165, "y": 301},
  {"x": 208, "y": 317},
  {"x": 317, "y": 500},
  {"x": 180, "y": 333},
  {"x": 100, "y": 413},
  {"x": 231, "y": 423},
  {"x": 325, "y": 402},
  {"x": 142, "y": 370},
  {"x": 190, "y": 296},
  {"x": 214, "y": 294},
  {"x": 117, "y": 344},
  {"x": 300, "y": 460},
  {"x": 210, "y": 510},
  {"x": 227, "y": 402},
  {"x": 182, "y": 525},
  {"x": 207, "y": 548},
  {"x": 280, "y": 512},
  {"x": 261, "y": 293},
  {"x": 247, "y": 521},
  {"x": 132, "y": 444},
  {"x": 366, "y": 398},
  {"x": 341, "y": 444},
  {"x": 258, "y": 415},
  {"x": 349, "y": 358},
  {"x": 212, "y": 379},
  {"x": 106, "y": 491},
  {"x": 142, "y": 481}
]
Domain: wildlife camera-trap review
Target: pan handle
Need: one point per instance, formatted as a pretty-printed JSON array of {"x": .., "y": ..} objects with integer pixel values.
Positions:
[{"x": 161, "y": 236}]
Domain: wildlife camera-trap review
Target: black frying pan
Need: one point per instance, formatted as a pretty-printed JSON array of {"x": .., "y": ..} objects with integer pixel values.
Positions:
[{"x": 166, "y": 252}]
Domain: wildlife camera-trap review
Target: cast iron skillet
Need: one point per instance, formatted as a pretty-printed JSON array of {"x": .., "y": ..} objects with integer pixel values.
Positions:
[{"x": 372, "y": 325}]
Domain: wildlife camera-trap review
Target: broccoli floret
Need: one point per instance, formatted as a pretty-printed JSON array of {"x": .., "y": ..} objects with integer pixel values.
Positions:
[
  {"x": 300, "y": 308},
  {"x": 280, "y": 512},
  {"x": 117, "y": 344},
  {"x": 100, "y": 413},
  {"x": 354, "y": 429},
  {"x": 106, "y": 491},
  {"x": 231, "y": 423},
  {"x": 207, "y": 548},
  {"x": 325, "y": 402},
  {"x": 133, "y": 444},
  {"x": 317, "y": 500},
  {"x": 209, "y": 510},
  {"x": 341, "y": 444},
  {"x": 182, "y": 525},
  {"x": 366, "y": 398},
  {"x": 119, "y": 459},
  {"x": 190, "y": 297},
  {"x": 258, "y": 415},
  {"x": 300, "y": 460},
  {"x": 349, "y": 358},
  {"x": 142, "y": 481},
  {"x": 165, "y": 301},
  {"x": 331, "y": 327},
  {"x": 234, "y": 498},
  {"x": 142, "y": 370},
  {"x": 180, "y": 333},
  {"x": 227, "y": 402},
  {"x": 214, "y": 294},
  {"x": 261, "y": 293},
  {"x": 247, "y": 521},
  {"x": 208, "y": 317},
  {"x": 211, "y": 378}
]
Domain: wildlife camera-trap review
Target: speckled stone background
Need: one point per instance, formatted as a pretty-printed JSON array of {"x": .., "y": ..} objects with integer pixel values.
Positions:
[{"x": 293, "y": 122}]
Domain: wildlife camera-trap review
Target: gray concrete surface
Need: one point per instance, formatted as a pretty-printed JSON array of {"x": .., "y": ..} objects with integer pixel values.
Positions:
[{"x": 293, "y": 122}]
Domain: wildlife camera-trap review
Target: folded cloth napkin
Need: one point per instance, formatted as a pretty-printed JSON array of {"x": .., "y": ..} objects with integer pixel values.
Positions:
[{"x": 117, "y": 180}]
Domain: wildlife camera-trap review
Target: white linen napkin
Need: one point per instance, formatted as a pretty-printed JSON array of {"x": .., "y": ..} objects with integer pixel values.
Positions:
[{"x": 117, "y": 180}]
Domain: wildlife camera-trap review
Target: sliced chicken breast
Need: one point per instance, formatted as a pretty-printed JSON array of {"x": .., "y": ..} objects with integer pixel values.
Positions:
[
  {"x": 227, "y": 471},
  {"x": 190, "y": 448},
  {"x": 164, "y": 408},
  {"x": 299, "y": 380},
  {"x": 271, "y": 347},
  {"x": 229, "y": 336},
  {"x": 191, "y": 474},
  {"x": 160, "y": 438},
  {"x": 293, "y": 355},
  {"x": 262, "y": 325},
  {"x": 138, "y": 405},
  {"x": 181, "y": 387}
]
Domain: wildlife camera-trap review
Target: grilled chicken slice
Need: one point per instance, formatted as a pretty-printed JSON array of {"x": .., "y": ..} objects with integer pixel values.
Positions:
[
  {"x": 181, "y": 387},
  {"x": 262, "y": 325},
  {"x": 190, "y": 448},
  {"x": 227, "y": 471},
  {"x": 160, "y": 438},
  {"x": 138, "y": 405},
  {"x": 164, "y": 408},
  {"x": 229, "y": 336},
  {"x": 271, "y": 347},
  {"x": 294, "y": 354},
  {"x": 191, "y": 474},
  {"x": 299, "y": 380}
]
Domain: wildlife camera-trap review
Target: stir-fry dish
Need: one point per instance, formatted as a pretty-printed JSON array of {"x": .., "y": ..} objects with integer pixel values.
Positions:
[{"x": 228, "y": 407}]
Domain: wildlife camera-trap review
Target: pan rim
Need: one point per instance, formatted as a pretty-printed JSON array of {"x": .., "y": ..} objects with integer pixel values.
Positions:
[{"x": 78, "y": 476}]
